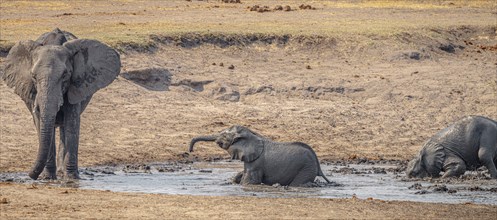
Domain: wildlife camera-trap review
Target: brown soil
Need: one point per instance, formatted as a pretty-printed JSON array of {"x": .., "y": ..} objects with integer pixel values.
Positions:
[{"x": 370, "y": 95}]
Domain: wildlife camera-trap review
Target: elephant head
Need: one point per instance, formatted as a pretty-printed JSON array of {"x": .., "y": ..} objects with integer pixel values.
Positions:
[
  {"x": 240, "y": 142},
  {"x": 51, "y": 71},
  {"x": 428, "y": 163}
]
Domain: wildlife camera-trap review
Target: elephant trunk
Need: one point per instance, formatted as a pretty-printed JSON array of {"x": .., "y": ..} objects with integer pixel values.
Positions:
[
  {"x": 47, "y": 104},
  {"x": 45, "y": 135},
  {"x": 201, "y": 138}
]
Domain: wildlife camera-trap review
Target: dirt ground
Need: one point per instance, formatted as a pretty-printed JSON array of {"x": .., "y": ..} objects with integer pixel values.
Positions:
[{"x": 353, "y": 79}]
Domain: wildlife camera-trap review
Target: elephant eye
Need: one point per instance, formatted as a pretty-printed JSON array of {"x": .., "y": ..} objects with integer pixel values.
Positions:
[
  {"x": 237, "y": 139},
  {"x": 65, "y": 74}
]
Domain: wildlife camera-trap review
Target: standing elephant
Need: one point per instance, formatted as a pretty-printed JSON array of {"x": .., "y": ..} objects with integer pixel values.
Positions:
[
  {"x": 56, "y": 76},
  {"x": 265, "y": 161},
  {"x": 467, "y": 144}
]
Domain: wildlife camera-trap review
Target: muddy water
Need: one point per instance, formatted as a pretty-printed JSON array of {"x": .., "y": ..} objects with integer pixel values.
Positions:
[{"x": 379, "y": 181}]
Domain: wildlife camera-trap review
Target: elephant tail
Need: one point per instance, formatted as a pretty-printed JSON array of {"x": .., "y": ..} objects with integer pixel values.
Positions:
[{"x": 320, "y": 173}]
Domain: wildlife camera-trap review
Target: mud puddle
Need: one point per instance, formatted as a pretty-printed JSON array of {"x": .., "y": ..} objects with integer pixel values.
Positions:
[{"x": 364, "y": 181}]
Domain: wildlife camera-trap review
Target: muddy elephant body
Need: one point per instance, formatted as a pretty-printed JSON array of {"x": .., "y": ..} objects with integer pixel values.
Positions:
[
  {"x": 266, "y": 161},
  {"x": 303, "y": 169},
  {"x": 56, "y": 76},
  {"x": 465, "y": 145}
]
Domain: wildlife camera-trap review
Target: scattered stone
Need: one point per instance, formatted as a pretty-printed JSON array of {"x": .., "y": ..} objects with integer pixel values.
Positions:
[
  {"x": 134, "y": 168},
  {"x": 306, "y": 7},
  {"x": 379, "y": 170},
  {"x": 439, "y": 188},
  {"x": 421, "y": 192},
  {"x": 197, "y": 86},
  {"x": 416, "y": 186},
  {"x": 412, "y": 55},
  {"x": 231, "y": 67},
  {"x": 165, "y": 169},
  {"x": 231, "y": 1},
  {"x": 475, "y": 188},
  {"x": 4, "y": 201},
  {"x": 108, "y": 172},
  {"x": 254, "y": 8},
  {"x": 449, "y": 48},
  {"x": 263, "y": 9},
  {"x": 260, "y": 89}
]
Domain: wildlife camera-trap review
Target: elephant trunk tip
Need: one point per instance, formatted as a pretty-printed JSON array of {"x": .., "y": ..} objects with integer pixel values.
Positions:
[
  {"x": 192, "y": 143},
  {"x": 202, "y": 138}
]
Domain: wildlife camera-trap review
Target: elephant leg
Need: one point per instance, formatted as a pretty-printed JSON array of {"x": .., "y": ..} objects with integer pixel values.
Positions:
[
  {"x": 62, "y": 151},
  {"x": 305, "y": 176},
  {"x": 71, "y": 142},
  {"x": 486, "y": 154},
  {"x": 237, "y": 178},
  {"x": 251, "y": 177},
  {"x": 454, "y": 166},
  {"x": 49, "y": 172},
  {"x": 488, "y": 161}
]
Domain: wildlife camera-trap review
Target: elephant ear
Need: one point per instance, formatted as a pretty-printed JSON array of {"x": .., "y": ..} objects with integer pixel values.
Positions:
[
  {"x": 95, "y": 65},
  {"x": 433, "y": 157},
  {"x": 17, "y": 70},
  {"x": 254, "y": 143},
  {"x": 253, "y": 150}
]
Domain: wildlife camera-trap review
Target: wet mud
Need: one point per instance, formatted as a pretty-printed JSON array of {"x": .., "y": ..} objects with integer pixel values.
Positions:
[{"x": 361, "y": 179}]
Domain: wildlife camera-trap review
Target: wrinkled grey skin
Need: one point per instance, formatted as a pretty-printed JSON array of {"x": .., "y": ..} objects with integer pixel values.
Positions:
[
  {"x": 56, "y": 76},
  {"x": 465, "y": 145},
  {"x": 265, "y": 161}
]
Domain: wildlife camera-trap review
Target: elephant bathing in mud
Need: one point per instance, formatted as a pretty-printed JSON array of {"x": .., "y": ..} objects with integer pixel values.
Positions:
[
  {"x": 465, "y": 145},
  {"x": 56, "y": 77},
  {"x": 265, "y": 161}
]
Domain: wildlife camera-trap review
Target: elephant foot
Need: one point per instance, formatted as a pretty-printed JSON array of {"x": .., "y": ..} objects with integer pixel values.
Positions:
[
  {"x": 46, "y": 175},
  {"x": 237, "y": 178},
  {"x": 72, "y": 176}
]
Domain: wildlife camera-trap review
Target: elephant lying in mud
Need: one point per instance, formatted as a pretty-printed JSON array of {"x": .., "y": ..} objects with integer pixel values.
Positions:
[
  {"x": 56, "y": 76},
  {"x": 265, "y": 161},
  {"x": 466, "y": 144}
]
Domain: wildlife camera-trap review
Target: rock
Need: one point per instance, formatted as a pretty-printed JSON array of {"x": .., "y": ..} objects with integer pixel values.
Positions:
[
  {"x": 226, "y": 92},
  {"x": 197, "y": 86},
  {"x": 416, "y": 186},
  {"x": 155, "y": 79}
]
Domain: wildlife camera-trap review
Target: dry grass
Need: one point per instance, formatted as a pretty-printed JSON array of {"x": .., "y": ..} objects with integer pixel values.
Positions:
[
  {"x": 132, "y": 21},
  {"x": 411, "y": 4}
]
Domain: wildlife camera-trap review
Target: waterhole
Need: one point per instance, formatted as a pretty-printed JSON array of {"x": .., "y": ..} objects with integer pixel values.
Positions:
[{"x": 380, "y": 181}]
